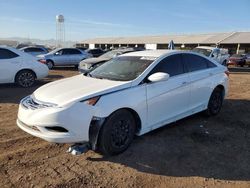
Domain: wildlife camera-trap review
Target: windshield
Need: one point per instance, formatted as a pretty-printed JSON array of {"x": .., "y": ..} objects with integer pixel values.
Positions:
[
  {"x": 205, "y": 52},
  {"x": 54, "y": 51},
  {"x": 123, "y": 68},
  {"x": 109, "y": 54}
]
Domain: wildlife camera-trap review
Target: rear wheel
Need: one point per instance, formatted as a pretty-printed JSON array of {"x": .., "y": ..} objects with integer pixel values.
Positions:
[
  {"x": 215, "y": 102},
  {"x": 50, "y": 64},
  {"x": 25, "y": 78},
  {"x": 117, "y": 133}
]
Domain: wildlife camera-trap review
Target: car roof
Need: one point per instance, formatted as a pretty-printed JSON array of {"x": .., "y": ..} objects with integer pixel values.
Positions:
[
  {"x": 32, "y": 47},
  {"x": 3, "y": 46},
  {"x": 125, "y": 50},
  {"x": 151, "y": 53},
  {"x": 94, "y": 49},
  {"x": 9, "y": 48}
]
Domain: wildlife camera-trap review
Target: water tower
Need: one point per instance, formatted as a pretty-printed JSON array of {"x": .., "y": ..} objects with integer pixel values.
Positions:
[{"x": 60, "y": 30}]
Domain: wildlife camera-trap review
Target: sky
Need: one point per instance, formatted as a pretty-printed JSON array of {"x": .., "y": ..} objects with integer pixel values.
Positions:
[{"x": 113, "y": 18}]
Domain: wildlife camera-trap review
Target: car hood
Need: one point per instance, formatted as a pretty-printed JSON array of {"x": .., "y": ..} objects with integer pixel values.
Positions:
[
  {"x": 93, "y": 60},
  {"x": 41, "y": 56},
  {"x": 77, "y": 88}
]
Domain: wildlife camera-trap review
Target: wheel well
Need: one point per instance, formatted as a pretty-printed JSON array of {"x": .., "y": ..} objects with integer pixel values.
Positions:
[
  {"x": 26, "y": 70},
  {"x": 96, "y": 126},
  {"x": 221, "y": 87},
  {"x": 137, "y": 118},
  {"x": 50, "y": 61}
]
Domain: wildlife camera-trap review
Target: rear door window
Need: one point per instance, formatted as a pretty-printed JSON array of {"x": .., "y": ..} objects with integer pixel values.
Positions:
[{"x": 196, "y": 63}]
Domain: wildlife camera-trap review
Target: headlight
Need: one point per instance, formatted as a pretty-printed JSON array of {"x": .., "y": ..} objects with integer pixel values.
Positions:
[
  {"x": 87, "y": 66},
  {"x": 92, "y": 101},
  {"x": 30, "y": 102}
]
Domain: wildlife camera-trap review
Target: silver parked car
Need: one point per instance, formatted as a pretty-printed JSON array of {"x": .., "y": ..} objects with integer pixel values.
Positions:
[
  {"x": 63, "y": 57},
  {"x": 35, "y": 51},
  {"x": 88, "y": 65}
]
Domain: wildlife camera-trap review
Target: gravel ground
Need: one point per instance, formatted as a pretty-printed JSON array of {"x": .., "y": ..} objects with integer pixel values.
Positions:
[{"x": 178, "y": 155}]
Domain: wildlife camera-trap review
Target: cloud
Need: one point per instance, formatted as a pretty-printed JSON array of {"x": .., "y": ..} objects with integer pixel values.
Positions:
[
  {"x": 70, "y": 21},
  {"x": 96, "y": 23},
  {"x": 23, "y": 20}
]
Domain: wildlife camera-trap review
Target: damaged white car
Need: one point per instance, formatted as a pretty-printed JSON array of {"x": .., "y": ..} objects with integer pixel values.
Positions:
[{"x": 127, "y": 96}]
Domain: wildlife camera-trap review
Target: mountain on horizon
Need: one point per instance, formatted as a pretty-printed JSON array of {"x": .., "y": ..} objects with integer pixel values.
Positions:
[{"x": 48, "y": 42}]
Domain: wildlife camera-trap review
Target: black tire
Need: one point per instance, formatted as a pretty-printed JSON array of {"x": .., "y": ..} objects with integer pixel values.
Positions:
[
  {"x": 215, "y": 102},
  {"x": 25, "y": 78},
  {"x": 50, "y": 64},
  {"x": 117, "y": 133},
  {"x": 242, "y": 63}
]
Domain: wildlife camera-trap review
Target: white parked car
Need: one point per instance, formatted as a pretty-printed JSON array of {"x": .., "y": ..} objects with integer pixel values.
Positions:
[
  {"x": 218, "y": 54},
  {"x": 20, "y": 67},
  {"x": 129, "y": 95}
]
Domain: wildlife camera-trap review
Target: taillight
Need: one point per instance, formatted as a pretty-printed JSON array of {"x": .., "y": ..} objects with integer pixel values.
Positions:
[
  {"x": 42, "y": 61},
  {"x": 227, "y": 73}
]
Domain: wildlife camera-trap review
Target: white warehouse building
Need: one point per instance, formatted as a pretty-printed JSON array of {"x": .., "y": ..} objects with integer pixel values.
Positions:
[{"x": 235, "y": 42}]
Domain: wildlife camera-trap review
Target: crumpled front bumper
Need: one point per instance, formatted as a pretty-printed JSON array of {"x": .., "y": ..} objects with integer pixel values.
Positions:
[{"x": 73, "y": 122}]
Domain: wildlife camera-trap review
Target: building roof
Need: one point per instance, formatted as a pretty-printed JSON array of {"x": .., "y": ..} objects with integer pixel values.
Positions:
[
  {"x": 210, "y": 38},
  {"x": 238, "y": 38}
]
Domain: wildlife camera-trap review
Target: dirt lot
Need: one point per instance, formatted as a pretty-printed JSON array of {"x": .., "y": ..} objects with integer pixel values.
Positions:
[{"x": 179, "y": 155}]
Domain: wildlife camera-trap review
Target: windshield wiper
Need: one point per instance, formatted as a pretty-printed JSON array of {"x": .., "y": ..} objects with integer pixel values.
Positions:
[{"x": 90, "y": 75}]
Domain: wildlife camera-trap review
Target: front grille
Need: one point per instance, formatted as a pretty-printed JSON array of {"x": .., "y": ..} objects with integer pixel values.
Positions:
[{"x": 30, "y": 103}]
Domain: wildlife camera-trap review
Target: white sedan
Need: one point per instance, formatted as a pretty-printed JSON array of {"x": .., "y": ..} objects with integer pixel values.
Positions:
[
  {"x": 19, "y": 67},
  {"x": 129, "y": 95}
]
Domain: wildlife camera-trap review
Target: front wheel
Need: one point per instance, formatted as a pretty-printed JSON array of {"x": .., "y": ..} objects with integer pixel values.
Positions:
[
  {"x": 215, "y": 102},
  {"x": 117, "y": 133},
  {"x": 25, "y": 78}
]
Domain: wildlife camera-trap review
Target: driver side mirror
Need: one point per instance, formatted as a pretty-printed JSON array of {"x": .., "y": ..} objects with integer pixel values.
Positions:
[
  {"x": 57, "y": 53},
  {"x": 158, "y": 77}
]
